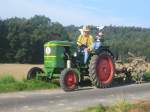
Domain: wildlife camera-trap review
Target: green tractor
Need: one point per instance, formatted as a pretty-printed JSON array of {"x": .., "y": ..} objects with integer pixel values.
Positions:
[{"x": 65, "y": 60}]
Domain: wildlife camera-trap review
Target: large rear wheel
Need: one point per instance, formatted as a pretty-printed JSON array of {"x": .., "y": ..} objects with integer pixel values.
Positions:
[
  {"x": 69, "y": 79},
  {"x": 101, "y": 69}
]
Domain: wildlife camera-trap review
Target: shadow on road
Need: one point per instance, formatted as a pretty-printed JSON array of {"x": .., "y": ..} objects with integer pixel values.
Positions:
[
  {"x": 84, "y": 88},
  {"x": 87, "y": 85}
]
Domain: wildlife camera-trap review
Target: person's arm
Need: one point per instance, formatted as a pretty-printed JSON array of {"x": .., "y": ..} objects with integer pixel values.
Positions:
[
  {"x": 90, "y": 46},
  {"x": 79, "y": 40}
]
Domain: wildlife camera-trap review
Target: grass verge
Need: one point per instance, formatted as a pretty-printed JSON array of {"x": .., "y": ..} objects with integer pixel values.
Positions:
[
  {"x": 142, "y": 106},
  {"x": 9, "y": 84}
]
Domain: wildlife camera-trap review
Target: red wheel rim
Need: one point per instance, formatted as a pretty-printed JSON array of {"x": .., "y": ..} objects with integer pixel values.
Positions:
[
  {"x": 70, "y": 80},
  {"x": 105, "y": 69}
]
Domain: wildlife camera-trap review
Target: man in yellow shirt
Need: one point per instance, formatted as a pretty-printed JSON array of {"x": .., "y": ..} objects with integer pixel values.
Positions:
[{"x": 85, "y": 39}]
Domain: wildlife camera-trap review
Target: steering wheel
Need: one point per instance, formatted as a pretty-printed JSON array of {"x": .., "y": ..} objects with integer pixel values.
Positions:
[{"x": 82, "y": 47}]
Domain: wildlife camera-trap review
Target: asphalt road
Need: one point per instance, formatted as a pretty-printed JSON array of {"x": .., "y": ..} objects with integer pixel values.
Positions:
[{"x": 59, "y": 101}]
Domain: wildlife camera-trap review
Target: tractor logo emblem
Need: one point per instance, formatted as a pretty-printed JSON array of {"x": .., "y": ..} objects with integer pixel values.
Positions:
[{"x": 47, "y": 50}]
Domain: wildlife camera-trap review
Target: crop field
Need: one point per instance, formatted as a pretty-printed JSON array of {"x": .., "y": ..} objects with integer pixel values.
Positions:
[{"x": 18, "y": 71}]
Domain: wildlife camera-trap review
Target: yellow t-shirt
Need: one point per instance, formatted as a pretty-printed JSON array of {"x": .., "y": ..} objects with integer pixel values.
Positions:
[{"x": 86, "y": 41}]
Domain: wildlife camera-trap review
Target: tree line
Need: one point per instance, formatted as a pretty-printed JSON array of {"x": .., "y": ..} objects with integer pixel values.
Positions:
[{"x": 21, "y": 39}]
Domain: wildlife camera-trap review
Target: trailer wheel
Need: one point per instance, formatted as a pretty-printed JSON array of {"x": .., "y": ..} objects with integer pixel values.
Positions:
[
  {"x": 33, "y": 72},
  {"x": 101, "y": 69},
  {"x": 69, "y": 79}
]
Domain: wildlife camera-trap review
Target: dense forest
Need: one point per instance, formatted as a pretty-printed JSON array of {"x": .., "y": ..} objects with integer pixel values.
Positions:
[{"x": 21, "y": 39}]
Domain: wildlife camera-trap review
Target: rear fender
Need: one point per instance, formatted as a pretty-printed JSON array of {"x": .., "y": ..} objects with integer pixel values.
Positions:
[{"x": 104, "y": 48}]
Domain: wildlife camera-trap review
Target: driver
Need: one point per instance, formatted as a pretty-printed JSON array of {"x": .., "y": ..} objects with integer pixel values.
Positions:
[{"x": 85, "y": 39}]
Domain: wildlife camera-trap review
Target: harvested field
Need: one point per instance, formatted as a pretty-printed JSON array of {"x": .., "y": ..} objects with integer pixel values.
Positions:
[{"x": 19, "y": 71}]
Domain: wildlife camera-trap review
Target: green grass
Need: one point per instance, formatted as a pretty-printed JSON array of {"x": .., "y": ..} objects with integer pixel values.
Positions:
[
  {"x": 99, "y": 108},
  {"x": 122, "y": 106},
  {"x": 147, "y": 76},
  {"x": 9, "y": 84}
]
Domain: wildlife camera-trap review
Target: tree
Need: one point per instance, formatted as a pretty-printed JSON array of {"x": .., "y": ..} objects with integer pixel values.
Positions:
[{"x": 22, "y": 40}]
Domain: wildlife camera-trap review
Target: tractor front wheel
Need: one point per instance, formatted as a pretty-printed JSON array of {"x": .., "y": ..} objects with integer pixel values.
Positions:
[
  {"x": 101, "y": 69},
  {"x": 69, "y": 79},
  {"x": 33, "y": 72}
]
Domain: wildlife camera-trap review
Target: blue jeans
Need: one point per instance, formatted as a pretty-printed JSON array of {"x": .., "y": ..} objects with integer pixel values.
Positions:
[
  {"x": 97, "y": 44},
  {"x": 85, "y": 56}
]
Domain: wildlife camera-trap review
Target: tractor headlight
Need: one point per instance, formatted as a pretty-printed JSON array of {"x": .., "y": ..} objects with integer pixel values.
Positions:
[
  {"x": 47, "y": 50},
  {"x": 75, "y": 54}
]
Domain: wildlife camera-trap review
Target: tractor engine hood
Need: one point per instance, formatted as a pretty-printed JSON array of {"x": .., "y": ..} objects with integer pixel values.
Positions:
[
  {"x": 58, "y": 43},
  {"x": 54, "y": 53}
]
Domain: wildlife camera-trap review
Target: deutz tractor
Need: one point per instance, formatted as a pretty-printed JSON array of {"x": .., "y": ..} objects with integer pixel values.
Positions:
[{"x": 65, "y": 60}]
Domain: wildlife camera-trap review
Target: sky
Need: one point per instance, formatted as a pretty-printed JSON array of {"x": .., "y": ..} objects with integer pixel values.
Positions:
[{"x": 82, "y": 12}]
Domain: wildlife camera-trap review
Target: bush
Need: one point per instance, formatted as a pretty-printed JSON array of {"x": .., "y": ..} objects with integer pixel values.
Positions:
[{"x": 147, "y": 76}]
